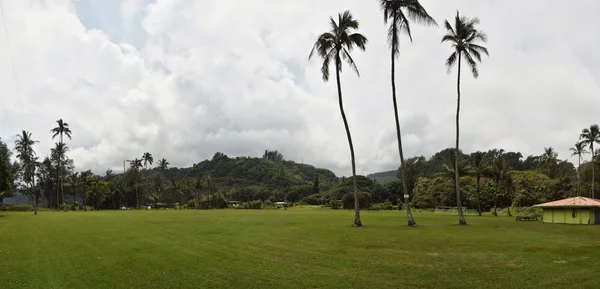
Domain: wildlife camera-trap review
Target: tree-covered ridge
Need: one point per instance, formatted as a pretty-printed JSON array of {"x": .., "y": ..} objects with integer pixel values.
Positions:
[
  {"x": 250, "y": 171},
  {"x": 428, "y": 167}
]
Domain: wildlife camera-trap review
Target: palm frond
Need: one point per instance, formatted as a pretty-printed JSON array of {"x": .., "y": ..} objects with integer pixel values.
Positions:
[
  {"x": 449, "y": 27},
  {"x": 472, "y": 64},
  {"x": 349, "y": 60},
  {"x": 417, "y": 13},
  {"x": 325, "y": 69},
  {"x": 449, "y": 38},
  {"x": 474, "y": 53},
  {"x": 479, "y": 48},
  {"x": 451, "y": 61},
  {"x": 359, "y": 40},
  {"x": 393, "y": 39},
  {"x": 347, "y": 21},
  {"x": 405, "y": 27}
]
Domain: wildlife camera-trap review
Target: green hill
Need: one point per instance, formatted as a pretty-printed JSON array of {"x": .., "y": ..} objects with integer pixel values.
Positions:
[{"x": 383, "y": 177}]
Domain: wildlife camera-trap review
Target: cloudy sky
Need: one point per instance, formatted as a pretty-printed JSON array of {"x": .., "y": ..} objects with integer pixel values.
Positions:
[{"x": 183, "y": 79}]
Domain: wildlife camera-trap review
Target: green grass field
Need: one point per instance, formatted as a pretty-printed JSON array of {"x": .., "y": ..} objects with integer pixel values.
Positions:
[{"x": 297, "y": 248}]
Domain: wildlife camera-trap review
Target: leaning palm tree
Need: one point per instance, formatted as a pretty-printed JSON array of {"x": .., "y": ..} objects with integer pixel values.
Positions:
[
  {"x": 399, "y": 12},
  {"x": 61, "y": 129},
  {"x": 148, "y": 160},
  {"x": 578, "y": 150},
  {"x": 478, "y": 169},
  {"x": 588, "y": 137},
  {"x": 463, "y": 38},
  {"x": 27, "y": 156},
  {"x": 336, "y": 45}
]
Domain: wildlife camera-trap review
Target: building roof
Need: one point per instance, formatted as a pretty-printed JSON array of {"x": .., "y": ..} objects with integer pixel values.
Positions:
[{"x": 571, "y": 203}]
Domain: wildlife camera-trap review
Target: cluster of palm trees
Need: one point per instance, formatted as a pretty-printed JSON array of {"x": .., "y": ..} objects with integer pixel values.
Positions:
[
  {"x": 145, "y": 162},
  {"x": 336, "y": 45},
  {"x": 587, "y": 139},
  {"x": 29, "y": 161}
]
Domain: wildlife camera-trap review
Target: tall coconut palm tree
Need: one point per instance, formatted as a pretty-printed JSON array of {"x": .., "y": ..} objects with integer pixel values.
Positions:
[
  {"x": 578, "y": 150},
  {"x": 148, "y": 160},
  {"x": 61, "y": 129},
  {"x": 478, "y": 169},
  {"x": 26, "y": 154},
  {"x": 336, "y": 45},
  {"x": 499, "y": 171},
  {"x": 135, "y": 166},
  {"x": 589, "y": 136},
  {"x": 58, "y": 153},
  {"x": 399, "y": 12},
  {"x": 463, "y": 38}
]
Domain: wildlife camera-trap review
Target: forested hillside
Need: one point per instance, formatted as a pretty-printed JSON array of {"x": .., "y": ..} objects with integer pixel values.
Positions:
[{"x": 505, "y": 178}]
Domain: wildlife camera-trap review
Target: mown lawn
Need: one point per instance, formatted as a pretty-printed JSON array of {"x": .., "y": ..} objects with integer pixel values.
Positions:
[{"x": 297, "y": 248}]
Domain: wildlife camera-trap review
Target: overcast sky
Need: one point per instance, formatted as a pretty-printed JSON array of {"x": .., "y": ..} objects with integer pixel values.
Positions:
[{"x": 183, "y": 79}]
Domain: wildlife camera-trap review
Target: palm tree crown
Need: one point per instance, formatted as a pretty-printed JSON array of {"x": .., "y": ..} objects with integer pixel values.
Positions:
[
  {"x": 591, "y": 135},
  {"x": 163, "y": 164},
  {"x": 135, "y": 164},
  {"x": 578, "y": 149},
  {"x": 147, "y": 159},
  {"x": 24, "y": 146},
  {"x": 463, "y": 38},
  {"x": 61, "y": 129},
  {"x": 337, "y": 44},
  {"x": 399, "y": 12}
]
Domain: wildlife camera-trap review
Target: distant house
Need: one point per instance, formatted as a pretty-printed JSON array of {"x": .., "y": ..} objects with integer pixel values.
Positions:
[{"x": 577, "y": 210}]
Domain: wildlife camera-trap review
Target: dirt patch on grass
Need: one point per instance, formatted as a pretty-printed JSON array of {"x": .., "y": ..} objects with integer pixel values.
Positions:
[{"x": 560, "y": 262}]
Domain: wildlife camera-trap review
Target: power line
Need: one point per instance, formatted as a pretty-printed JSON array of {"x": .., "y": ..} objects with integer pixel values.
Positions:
[{"x": 11, "y": 55}]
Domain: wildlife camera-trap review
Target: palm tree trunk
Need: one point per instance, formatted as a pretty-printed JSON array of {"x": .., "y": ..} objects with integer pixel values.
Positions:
[
  {"x": 84, "y": 197},
  {"x": 58, "y": 191},
  {"x": 579, "y": 175},
  {"x": 495, "y": 199},
  {"x": 461, "y": 217},
  {"x": 60, "y": 172},
  {"x": 411, "y": 219},
  {"x": 478, "y": 198},
  {"x": 357, "y": 222},
  {"x": 593, "y": 170}
]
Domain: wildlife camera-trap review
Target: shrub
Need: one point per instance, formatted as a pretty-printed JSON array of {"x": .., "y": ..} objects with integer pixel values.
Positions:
[
  {"x": 16, "y": 208},
  {"x": 268, "y": 203},
  {"x": 387, "y": 205},
  {"x": 313, "y": 200},
  {"x": 255, "y": 205},
  {"x": 364, "y": 200},
  {"x": 335, "y": 204}
]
